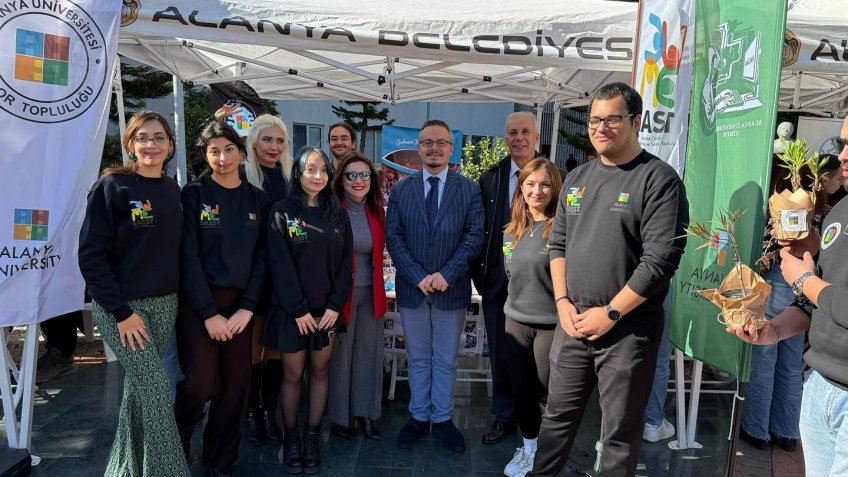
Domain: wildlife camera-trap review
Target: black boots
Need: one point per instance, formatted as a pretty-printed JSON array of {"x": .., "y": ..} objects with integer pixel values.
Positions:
[
  {"x": 290, "y": 452},
  {"x": 369, "y": 430},
  {"x": 311, "y": 449},
  {"x": 254, "y": 428},
  {"x": 272, "y": 375}
]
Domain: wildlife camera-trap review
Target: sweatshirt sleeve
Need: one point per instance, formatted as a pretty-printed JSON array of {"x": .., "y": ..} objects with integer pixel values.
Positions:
[
  {"x": 97, "y": 237},
  {"x": 194, "y": 284},
  {"x": 556, "y": 240},
  {"x": 285, "y": 284},
  {"x": 258, "y": 270},
  {"x": 344, "y": 271},
  {"x": 833, "y": 301},
  {"x": 666, "y": 214}
]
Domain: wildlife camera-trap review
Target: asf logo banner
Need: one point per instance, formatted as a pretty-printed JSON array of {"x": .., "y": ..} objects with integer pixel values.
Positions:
[
  {"x": 31, "y": 224},
  {"x": 55, "y": 66}
]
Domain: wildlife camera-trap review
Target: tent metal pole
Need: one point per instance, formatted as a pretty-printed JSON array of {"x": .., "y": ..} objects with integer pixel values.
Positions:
[
  {"x": 540, "y": 108},
  {"x": 796, "y": 101},
  {"x": 118, "y": 87},
  {"x": 555, "y": 133},
  {"x": 179, "y": 124}
]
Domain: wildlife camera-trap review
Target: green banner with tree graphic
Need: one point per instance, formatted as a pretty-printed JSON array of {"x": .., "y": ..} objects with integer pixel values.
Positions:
[{"x": 738, "y": 47}]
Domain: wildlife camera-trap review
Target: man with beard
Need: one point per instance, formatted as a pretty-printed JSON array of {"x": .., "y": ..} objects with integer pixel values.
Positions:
[
  {"x": 342, "y": 140},
  {"x": 434, "y": 227}
]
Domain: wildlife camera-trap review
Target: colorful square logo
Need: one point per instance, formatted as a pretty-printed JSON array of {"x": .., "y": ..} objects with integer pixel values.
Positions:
[
  {"x": 623, "y": 197},
  {"x": 41, "y": 57},
  {"x": 30, "y": 224}
]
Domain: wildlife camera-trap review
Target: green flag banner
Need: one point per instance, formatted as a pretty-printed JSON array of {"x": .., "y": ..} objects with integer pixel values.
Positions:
[{"x": 734, "y": 100}]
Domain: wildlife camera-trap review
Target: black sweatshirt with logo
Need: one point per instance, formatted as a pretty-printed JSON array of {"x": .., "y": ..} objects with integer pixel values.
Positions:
[
  {"x": 617, "y": 226},
  {"x": 130, "y": 240},
  {"x": 223, "y": 243}
]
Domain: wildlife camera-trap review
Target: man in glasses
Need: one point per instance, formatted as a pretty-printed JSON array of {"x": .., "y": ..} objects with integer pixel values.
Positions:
[
  {"x": 434, "y": 227},
  {"x": 616, "y": 241},
  {"x": 341, "y": 139},
  {"x": 497, "y": 186}
]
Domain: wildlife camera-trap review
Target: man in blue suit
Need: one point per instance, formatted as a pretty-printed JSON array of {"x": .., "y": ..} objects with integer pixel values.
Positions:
[{"x": 434, "y": 227}]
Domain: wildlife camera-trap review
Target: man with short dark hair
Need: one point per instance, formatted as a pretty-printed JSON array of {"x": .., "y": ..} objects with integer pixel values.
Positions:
[
  {"x": 616, "y": 241},
  {"x": 434, "y": 227},
  {"x": 342, "y": 139},
  {"x": 497, "y": 186}
]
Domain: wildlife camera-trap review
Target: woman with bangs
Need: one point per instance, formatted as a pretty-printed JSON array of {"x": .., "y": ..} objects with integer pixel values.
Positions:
[
  {"x": 530, "y": 307},
  {"x": 309, "y": 252},
  {"x": 268, "y": 167},
  {"x": 356, "y": 370}
]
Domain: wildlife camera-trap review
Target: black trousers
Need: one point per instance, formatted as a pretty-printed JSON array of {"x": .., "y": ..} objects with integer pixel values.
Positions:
[
  {"x": 60, "y": 332},
  {"x": 622, "y": 364},
  {"x": 216, "y": 371},
  {"x": 528, "y": 347},
  {"x": 493, "y": 315}
]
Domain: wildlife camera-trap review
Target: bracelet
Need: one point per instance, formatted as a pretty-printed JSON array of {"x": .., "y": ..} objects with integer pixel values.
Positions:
[
  {"x": 798, "y": 284},
  {"x": 777, "y": 332},
  {"x": 560, "y": 299}
]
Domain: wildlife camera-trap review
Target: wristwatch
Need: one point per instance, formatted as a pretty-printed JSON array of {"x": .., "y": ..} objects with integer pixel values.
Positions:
[
  {"x": 612, "y": 313},
  {"x": 798, "y": 284}
]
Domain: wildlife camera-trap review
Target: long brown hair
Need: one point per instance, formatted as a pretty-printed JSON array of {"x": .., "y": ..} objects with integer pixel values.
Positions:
[
  {"x": 133, "y": 125},
  {"x": 374, "y": 199},
  {"x": 521, "y": 220}
]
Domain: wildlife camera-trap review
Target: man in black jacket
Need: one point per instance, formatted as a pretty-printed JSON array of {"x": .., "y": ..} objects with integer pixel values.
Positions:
[{"x": 497, "y": 186}]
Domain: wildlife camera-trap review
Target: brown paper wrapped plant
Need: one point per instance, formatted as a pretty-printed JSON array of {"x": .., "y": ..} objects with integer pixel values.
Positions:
[
  {"x": 742, "y": 294},
  {"x": 790, "y": 212}
]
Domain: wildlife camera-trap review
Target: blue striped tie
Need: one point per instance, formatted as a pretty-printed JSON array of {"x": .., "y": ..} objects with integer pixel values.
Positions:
[{"x": 432, "y": 201}]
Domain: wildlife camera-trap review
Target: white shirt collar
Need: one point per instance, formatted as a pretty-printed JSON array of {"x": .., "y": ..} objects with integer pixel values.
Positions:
[
  {"x": 443, "y": 175},
  {"x": 513, "y": 167}
]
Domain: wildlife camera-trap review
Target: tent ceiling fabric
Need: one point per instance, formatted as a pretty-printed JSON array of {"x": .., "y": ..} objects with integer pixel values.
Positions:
[{"x": 439, "y": 50}]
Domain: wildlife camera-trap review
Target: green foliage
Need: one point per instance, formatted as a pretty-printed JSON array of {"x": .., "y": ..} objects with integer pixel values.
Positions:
[
  {"x": 361, "y": 115},
  {"x": 795, "y": 157},
  {"x": 478, "y": 157}
]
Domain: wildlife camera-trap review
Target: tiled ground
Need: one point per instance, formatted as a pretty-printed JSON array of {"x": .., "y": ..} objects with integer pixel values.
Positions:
[{"x": 75, "y": 418}]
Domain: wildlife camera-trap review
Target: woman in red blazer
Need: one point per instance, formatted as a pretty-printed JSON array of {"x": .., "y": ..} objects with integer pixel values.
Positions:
[{"x": 356, "y": 369}]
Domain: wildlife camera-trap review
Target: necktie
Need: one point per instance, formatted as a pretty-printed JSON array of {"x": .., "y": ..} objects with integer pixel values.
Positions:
[{"x": 432, "y": 200}]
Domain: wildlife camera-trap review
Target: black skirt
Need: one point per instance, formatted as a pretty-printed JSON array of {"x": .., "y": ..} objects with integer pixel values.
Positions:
[{"x": 281, "y": 333}]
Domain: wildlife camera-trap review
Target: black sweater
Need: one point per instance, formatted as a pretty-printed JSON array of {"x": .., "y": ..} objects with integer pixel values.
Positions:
[
  {"x": 620, "y": 226},
  {"x": 274, "y": 184},
  {"x": 310, "y": 260},
  {"x": 223, "y": 243},
  {"x": 130, "y": 239},
  {"x": 828, "y": 352}
]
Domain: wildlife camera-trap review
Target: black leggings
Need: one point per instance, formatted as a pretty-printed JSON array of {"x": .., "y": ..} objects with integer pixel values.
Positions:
[{"x": 527, "y": 349}]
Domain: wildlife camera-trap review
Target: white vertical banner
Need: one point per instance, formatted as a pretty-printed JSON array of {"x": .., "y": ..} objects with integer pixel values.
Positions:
[
  {"x": 662, "y": 73},
  {"x": 55, "y": 79}
]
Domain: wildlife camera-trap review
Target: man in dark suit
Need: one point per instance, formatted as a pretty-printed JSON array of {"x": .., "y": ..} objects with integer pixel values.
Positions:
[
  {"x": 434, "y": 227},
  {"x": 497, "y": 186}
]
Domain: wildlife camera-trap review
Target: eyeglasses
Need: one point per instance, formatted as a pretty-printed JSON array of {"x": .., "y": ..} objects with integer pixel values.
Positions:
[
  {"x": 441, "y": 144},
  {"x": 315, "y": 172},
  {"x": 145, "y": 141},
  {"x": 363, "y": 176},
  {"x": 612, "y": 121},
  {"x": 339, "y": 138}
]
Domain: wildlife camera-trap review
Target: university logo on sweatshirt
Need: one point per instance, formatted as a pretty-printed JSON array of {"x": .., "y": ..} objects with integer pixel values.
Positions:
[
  {"x": 210, "y": 216},
  {"x": 141, "y": 214},
  {"x": 622, "y": 203},
  {"x": 296, "y": 229},
  {"x": 573, "y": 199}
]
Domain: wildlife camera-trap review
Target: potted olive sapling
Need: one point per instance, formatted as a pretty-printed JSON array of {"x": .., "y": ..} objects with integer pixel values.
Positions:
[
  {"x": 790, "y": 211},
  {"x": 742, "y": 294}
]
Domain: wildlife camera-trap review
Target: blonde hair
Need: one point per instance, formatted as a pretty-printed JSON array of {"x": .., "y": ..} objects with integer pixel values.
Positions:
[{"x": 251, "y": 166}]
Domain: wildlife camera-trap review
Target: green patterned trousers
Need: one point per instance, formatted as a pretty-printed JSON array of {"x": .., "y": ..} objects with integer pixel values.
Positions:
[{"x": 146, "y": 441}]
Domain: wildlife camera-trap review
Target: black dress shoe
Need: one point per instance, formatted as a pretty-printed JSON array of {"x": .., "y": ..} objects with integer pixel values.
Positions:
[
  {"x": 498, "y": 432},
  {"x": 451, "y": 436},
  {"x": 369, "y": 430},
  {"x": 341, "y": 431},
  {"x": 756, "y": 443},
  {"x": 411, "y": 432},
  {"x": 787, "y": 444},
  {"x": 220, "y": 473}
]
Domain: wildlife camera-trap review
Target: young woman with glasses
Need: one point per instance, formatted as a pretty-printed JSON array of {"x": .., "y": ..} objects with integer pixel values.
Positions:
[
  {"x": 223, "y": 274},
  {"x": 129, "y": 257},
  {"x": 356, "y": 370},
  {"x": 309, "y": 252}
]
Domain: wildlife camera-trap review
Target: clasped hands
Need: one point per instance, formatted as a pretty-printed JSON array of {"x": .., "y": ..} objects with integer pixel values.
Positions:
[
  {"x": 433, "y": 283},
  {"x": 308, "y": 324},
  {"x": 223, "y": 329},
  {"x": 591, "y": 324}
]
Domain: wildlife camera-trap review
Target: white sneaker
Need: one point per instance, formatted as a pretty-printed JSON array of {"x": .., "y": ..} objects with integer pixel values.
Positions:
[
  {"x": 520, "y": 464},
  {"x": 658, "y": 433}
]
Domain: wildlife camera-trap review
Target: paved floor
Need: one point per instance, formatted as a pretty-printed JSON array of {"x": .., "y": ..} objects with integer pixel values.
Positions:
[{"x": 75, "y": 418}]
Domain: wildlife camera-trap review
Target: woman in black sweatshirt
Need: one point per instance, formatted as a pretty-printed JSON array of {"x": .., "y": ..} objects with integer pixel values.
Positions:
[
  {"x": 309, "y": 251},
  {"x": 268, "y": 166},
  {"x": 223, "y": 270},
  {"x": 530, "y": 307},
  {"x": 129, "y": 256}
]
